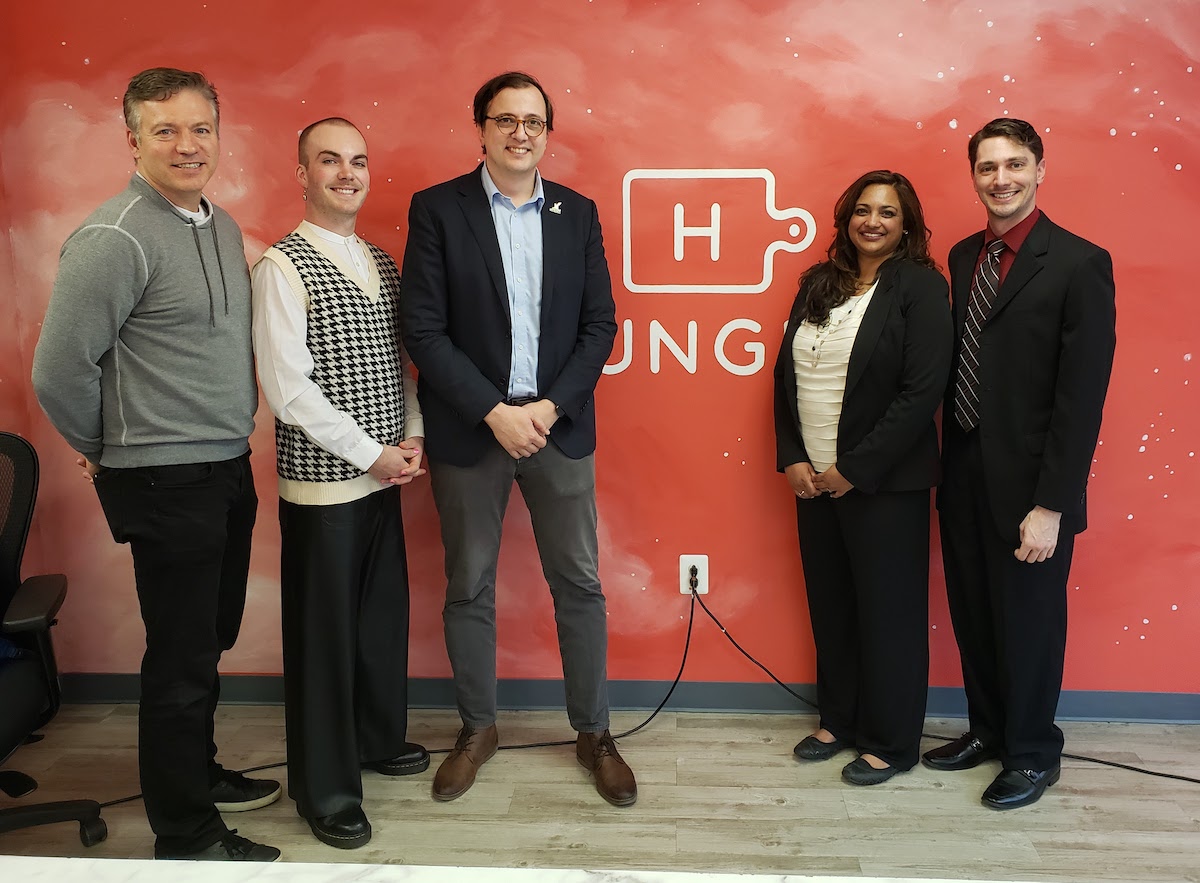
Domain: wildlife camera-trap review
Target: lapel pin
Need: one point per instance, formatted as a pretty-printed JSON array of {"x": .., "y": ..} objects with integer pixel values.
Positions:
[{"x": 556, "y": 208}]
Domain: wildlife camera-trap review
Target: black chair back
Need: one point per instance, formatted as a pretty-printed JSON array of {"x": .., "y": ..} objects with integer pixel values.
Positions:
[{"x": 18, "y": 492}]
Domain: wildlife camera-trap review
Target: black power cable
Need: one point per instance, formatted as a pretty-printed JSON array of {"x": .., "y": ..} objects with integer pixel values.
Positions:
[{"x": 693, "y": 582}]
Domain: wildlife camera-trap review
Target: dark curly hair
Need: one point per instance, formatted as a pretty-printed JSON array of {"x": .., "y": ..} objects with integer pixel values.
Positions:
[{"x": 831, "y": 283}]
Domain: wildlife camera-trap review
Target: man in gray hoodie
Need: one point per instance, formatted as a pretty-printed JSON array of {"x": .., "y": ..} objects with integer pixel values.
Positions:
[{"x": 144, "y": 365}]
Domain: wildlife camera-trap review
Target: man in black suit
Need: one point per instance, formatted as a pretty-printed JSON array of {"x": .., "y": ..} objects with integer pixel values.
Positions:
[
  {"x": 507, "y": 312},
  {"x": 1035, "y": 318}
]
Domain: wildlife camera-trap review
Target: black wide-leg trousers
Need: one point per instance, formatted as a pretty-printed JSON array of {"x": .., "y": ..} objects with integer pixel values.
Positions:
[{"x": 344, "y": 582}]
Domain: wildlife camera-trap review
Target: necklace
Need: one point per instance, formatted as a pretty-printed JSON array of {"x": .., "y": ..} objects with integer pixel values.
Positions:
[{"x": 822, "y": 332}]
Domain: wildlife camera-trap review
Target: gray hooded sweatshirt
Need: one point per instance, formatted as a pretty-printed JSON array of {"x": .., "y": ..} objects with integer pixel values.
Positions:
[{"x": 145, "y": 356}]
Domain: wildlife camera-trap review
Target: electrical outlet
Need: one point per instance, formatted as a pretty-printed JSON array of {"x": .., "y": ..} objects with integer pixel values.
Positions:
[{"x": 686, "y": 563}]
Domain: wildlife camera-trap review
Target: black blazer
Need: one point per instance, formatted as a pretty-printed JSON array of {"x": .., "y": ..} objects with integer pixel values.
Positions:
[
  {"x": 887, "y": 440},
  {"x": 1046, "y": 355},
  {"x": 455, "y": 321}
]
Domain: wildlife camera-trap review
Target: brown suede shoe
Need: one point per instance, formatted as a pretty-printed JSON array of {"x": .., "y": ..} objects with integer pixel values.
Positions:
[
  {"x": 614, "y": 779},
  {"x": 457, "y": 773}
]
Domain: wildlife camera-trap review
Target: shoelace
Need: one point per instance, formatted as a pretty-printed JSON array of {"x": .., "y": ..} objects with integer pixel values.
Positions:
[
  {"x": 235, "y": 845},
  {"x": 606, "y": 746},
  {"x": 464, "y": 740}
]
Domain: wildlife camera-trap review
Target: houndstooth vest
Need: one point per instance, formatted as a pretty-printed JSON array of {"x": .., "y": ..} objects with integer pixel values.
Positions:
[{"x": 355, "y": 347}]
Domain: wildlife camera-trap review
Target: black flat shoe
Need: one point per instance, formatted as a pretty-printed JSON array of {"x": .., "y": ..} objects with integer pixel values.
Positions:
[
  {"x": 964, "y": 753},
  {"x": 859, "y": 772},
  {"x": 1016, "y": 788},
  {"x": 812, "y": 748},
  {"x": 412, "y": 760},
  {"x": 348, "y": 829}
]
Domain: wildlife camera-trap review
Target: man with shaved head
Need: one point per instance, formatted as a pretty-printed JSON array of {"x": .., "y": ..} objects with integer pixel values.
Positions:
[{"x": 349, "y": 433}]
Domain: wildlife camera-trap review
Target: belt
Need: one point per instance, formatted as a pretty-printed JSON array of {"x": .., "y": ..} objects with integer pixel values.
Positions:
[{"x": 521, "y": 400}]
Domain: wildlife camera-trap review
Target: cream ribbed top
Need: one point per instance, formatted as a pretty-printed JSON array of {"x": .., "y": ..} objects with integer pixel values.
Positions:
[{"x": 820, "y": 357}]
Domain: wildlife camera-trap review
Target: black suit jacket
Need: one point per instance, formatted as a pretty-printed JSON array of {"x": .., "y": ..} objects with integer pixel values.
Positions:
[
  {"x": 1046, "y": 355},
  {"x": 456, "y": 325},
  {"x": 887, "y": 439}
]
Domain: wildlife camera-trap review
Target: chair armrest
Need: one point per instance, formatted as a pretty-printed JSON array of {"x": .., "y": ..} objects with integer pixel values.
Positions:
[{"x": 34, "y": 605}]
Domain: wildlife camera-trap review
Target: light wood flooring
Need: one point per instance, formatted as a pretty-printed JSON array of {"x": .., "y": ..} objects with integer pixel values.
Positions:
[{"x": 718, "y": 792}]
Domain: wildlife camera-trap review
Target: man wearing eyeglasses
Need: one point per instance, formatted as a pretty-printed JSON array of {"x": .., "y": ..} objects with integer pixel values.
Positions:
[{"x": 507, "y": 312}]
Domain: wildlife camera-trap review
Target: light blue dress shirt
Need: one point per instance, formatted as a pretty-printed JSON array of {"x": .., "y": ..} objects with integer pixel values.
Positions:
[{"x": 519, "y": 230}]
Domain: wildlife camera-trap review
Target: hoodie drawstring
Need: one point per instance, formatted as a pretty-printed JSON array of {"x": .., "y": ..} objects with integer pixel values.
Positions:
[{"x": 212, "y": 319}]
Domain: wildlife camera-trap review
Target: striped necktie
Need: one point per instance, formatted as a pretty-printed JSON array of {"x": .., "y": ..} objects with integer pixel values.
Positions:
[{"x": 983, "y": 295}]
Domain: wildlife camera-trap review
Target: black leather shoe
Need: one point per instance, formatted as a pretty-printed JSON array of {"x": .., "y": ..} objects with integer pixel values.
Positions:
[
  {"x": 964, "y": 753},
  {"x": 1015, "y": 788},
  {"x": 812, "y": 748},
  {"x": 412, "y": 760},
  {"x": 859, "y": 772},
  {"x": 348, "y": 829}
]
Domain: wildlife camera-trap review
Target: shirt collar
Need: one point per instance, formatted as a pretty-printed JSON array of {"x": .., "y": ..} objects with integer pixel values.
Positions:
[
  {"x": 199, "y": 218},
  {"x": 329, "y": 235},
  {"x": 489, "y": 186},
  {"x": 1015, "y": 238}
]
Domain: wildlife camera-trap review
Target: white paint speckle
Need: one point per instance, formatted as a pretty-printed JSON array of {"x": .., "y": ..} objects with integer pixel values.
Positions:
[
  {"x": 1178, "y": 167},
  {"x": 1145, "y": 622},
  {"x": 1142, "y": 449},
  {"x": 1129, "y": 517},
  {"x": 920, "y": 125},
  {"x": 1176, "y": 606},
  {"x": 954, "y": 124},
  {"x": 726, "y": 454},
  {"x": 989, "y": 24},
  {"x": 1112, "y": 131},
  {"x": 940, "y": 75}
]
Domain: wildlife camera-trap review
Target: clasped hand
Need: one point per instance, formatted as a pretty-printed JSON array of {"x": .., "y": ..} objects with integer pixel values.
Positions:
[
  {"x": 399, "y": 464},
  {"x": 522, "y": 430},
  {"x": 807, "y": 483}
]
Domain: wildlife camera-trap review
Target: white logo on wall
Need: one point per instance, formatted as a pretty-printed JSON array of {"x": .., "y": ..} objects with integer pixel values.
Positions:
[{"x": 710, "y": 206}]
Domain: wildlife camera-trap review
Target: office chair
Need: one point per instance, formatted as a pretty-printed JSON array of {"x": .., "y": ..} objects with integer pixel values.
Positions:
[{"x": 30, "y": 694}]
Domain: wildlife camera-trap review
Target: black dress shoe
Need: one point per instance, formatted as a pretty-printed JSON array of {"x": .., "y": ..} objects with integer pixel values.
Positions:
[
  {"x": 1014, "y": 788},
  {"x": 964, "y": 753},
  {"x": 412, "y": 760},
  {"x": 348, "y": 829},
  {"x": 812, "y": 748},
  {"x": 859, "y": 772}
]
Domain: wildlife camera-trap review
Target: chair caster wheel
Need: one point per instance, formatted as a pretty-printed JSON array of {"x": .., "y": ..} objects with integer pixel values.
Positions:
[{"x": 92, "y": 832}]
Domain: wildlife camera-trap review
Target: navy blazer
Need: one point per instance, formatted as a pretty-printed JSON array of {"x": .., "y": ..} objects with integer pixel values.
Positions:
[
  {"x": 454, "y": 316},
  {"x": 887, "y": 439},
  {"x": 1046, "y": 354}
]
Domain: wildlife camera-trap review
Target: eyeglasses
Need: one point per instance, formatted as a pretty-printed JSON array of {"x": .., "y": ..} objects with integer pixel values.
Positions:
[{"x": 507, "y": 124}]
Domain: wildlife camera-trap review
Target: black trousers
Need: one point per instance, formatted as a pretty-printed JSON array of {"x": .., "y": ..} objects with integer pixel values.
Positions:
[
  {"x": 189, "y": 529},
  {"x": 1010, "y": 618},
  {"x": 866, "y": 570},
  {"x": 344, "y": 579}
]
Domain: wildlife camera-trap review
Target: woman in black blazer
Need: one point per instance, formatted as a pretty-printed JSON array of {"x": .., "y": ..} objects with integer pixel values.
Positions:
[{"x": 861, "y": 372}]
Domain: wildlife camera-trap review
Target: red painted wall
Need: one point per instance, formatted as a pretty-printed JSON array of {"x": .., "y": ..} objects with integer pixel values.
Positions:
[{"x": 814, "y": 93}]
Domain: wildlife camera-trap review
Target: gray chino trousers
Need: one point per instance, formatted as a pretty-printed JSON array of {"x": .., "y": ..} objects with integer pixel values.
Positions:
[{"x": 560, "y": 494}]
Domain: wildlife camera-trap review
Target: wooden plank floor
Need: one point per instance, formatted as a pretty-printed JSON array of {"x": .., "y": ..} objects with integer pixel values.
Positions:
[{"x": 718, "y": 792}]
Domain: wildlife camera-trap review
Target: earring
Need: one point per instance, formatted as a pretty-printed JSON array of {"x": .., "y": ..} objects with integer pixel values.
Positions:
[{"x": 304, "y": 196}]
